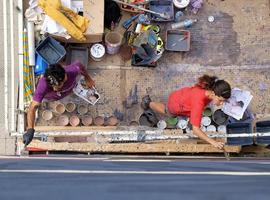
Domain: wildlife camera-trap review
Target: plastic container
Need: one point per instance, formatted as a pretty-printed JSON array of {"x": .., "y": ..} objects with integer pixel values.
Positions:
[
  {"x": 40, "y": 66},
  {"x": 207, "y": 112},
  {"x": 238, "y": 128},
  {"x": 113, "y": 41},
  {"x": 161, "y": 124},
  {"x": 211, "y": 128},
  {"x": 182, "y": 123},
  {"x": 206, "y": 121},
  {"x": 263, "y": 127},
  {"x": 162, "y": 6},
  {"x": 219, "y": 117},
  {"x": 51, "y": 50},
  {"x": 177, "y": 40},
  {"x": 75, "y": 53},
  {"x": 97, "y": 52}
]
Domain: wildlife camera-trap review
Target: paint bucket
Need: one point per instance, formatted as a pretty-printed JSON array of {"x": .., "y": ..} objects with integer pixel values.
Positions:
[
  {"x": 97, "y": 52},
  {"x": 87, "y": 120},
  {"x": 112, "y": 121},
  {"x": 181, "y": 3},
  {"x": 47, "y": 115},
  {"x": 219, "y": 117},
  {"x": 203, "y": 128},
  {"x": 206, "y": 121},
  {"x": 99, "y": 121},
  {"x": 211, "y": 128},
  {"x": 133, "y": 123},
  {"x": 74, "y": 120},
  {"x": 207, "y": 112},
  {"x": 182, "y": 123},
  {"x": 63, "y": 120},
  {"x": 221, "y": 129},
  {"x": 113, "y": 42},
  {"x": 70, "y": 107},
  {"x": 82, "y": 109},
  {"x": 59, "y": 108},
  {"x": 161, "y": 124},
  {"x": 172, "y": 121}
]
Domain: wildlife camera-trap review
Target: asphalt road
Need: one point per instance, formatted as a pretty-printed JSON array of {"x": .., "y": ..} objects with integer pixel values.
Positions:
[{"x": 150, "y": 178}]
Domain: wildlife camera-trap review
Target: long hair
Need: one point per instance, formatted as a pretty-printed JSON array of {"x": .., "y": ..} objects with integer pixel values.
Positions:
[
  {"x": 221, "y": 88},
  {"x": 54, "y": 75}
]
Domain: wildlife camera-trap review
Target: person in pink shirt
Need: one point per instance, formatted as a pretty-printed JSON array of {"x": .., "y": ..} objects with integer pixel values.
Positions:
[{"x": 57, "y": 83}]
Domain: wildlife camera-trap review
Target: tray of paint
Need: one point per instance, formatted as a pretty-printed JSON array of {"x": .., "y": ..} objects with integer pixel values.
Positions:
[{"x": 177, "y": 40}]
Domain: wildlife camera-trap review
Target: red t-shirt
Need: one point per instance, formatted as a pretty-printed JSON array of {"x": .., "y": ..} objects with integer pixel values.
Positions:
[{"x": 190, "y": 102}]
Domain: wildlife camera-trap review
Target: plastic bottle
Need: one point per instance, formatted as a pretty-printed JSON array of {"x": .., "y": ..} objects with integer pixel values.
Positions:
[{"x": 184, "y": 24}]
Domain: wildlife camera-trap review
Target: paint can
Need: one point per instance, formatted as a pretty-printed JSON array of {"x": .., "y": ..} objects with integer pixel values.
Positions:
[
  {"x": 113, "y": 42},
  {"x": 99, "y": 121},
  {"x": 206, "y": 121},
  {"x": 47, "y": 115},
  {"x": 82, "y": 109},
  {"x": 59, "y": 108},
  {"x": 70, "y": 107},
  {"x": 161, "y": 124},
  {"x": 63, "y": 120},
  {"x": 221, "y": 129},
  {"x": 133, "y": 123},
  {"x": 211, "y": 128},
  {"x": 207, "y": 112},
  {"x": 112, "y": 121},
  {"x": 87, "y": 120},
  {"x": 172, "y": 121},
  {"x": 203, "y": 128},
  {"x": 182, "y": 123},
  {"x": 181, "y": 3},
  {"x": 219, "y": 117},
  {"x": 74, "y": 120},
  {"x": 97, "y": 52}
]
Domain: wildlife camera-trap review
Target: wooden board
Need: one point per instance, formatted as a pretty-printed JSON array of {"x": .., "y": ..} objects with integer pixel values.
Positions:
[{"x": 154, "y": 147}]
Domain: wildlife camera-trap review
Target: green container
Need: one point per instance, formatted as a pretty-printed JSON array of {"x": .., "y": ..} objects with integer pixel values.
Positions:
[
  {"x": 207, "y": 112},
  {"x": 172, "y": 121}
]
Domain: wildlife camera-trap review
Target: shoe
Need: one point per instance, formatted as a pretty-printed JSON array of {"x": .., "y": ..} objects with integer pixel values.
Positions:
[{"x": 145, "y": 102}]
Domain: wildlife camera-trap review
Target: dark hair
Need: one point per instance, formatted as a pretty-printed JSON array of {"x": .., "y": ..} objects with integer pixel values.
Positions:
[
  {"x": 54, "y": 75},
  {"x": 221, "y": 88},
  {"x": 112, "y": 13}
]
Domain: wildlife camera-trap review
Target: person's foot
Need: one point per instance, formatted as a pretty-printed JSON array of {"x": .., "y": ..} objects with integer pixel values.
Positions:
[{"x": 145, "y": 102}]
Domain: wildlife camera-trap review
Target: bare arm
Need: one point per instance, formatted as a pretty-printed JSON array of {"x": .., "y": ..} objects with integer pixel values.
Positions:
[
  {"x": 31, "y": 114},
  {"x": 197, "y": 131},
  {"x": 89, "y": 81}
]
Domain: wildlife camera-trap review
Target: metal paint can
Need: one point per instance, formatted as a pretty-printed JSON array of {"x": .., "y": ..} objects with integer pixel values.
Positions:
[
  {"x": 211, "y": 128},
  {"x": 206, "y": 121},
  {"x": 161, "y": 124}
]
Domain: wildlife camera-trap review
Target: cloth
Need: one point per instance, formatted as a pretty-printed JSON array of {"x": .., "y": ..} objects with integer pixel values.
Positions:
[
  {"x": 75, "y": 24},
  {"x": 45, "y": 91},
  {"x": 189, "y": 102}
]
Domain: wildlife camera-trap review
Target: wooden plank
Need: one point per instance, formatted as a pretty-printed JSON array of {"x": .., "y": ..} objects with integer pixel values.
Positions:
[{"x": 153, "y": 147}]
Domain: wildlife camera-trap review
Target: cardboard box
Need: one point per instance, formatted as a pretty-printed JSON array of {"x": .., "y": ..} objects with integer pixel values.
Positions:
[{"x": 94, "y": 11}]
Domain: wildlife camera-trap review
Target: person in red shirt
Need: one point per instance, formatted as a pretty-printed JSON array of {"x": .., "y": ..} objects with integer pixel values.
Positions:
[{"x": 191, "y": 102}]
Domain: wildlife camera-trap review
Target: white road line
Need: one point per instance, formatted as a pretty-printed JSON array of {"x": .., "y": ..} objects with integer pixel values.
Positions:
[
  {"x": 136, "y": 160},
  {"x": 224, "y": 173}
]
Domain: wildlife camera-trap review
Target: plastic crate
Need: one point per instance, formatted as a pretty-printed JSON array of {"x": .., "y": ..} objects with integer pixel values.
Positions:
[
  {"x": 238, "y": 128},
  {"x": 50, "y": 50},
  {"x": 263, "y": 127},
  {"x": 41, "y": 65}
]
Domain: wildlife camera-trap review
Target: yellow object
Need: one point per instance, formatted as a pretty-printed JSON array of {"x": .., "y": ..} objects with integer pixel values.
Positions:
[{"x": 74, "y": 23}]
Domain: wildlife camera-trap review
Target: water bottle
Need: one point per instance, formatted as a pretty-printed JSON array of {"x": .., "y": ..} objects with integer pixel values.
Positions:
[{"x": 184, "y": 24}]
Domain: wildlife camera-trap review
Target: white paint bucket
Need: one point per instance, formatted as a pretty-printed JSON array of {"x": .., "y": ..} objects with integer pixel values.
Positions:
[
  {"x": 211, "y": 128},
  {"x": 161, "y": 124},
  {"x": 182, "y": 123},
  {"x": 206, "y": 121},
  {"x": 181, "y": 3},
  {"x": 97, "y": 52},
  {"x": 113, "y": 42},
  {"x": 221, "y": 129},
  {"x": 47, "y": 115}
]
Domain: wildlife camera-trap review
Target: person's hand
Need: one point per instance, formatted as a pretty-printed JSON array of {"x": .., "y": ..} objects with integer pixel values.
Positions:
[
  {"x": 90, "y": 83},
  {"x": 28, "y": 136},
  {"x": 219, "y": 145}
]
